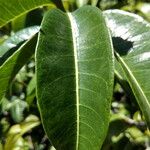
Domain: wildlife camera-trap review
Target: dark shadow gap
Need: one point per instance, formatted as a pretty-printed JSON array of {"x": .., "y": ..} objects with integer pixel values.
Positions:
[{"x": 122, "y": 46}]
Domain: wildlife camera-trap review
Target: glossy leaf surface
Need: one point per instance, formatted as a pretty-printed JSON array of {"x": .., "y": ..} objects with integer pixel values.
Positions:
[
  {"x": 14, "y": 42},
  {"x": 11, "y": 9},
  {"x": 131, "y": 36},
  {"x": 14, "y": 63},
  {"x": 74, "y": 67}
]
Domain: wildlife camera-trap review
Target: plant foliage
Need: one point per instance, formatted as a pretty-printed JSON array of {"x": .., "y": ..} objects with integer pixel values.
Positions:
[{"x": 87, "y": 69}]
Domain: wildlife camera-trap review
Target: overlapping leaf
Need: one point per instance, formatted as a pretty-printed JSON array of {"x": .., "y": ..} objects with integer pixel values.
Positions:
[
  {"x": 131, "y": 36},
  {"x": 14, "y": 57},
  {"x": 15, "y": 41},
  {"x": 11, "y": 9},
  {"x": 74, "y": 67}
]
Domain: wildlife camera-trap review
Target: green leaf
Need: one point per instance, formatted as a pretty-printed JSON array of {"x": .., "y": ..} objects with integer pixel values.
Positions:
[
  {"x": 144, "y": 8},
  {"x": 10, "y": 10},
  {"x": 31, "y": 90},
  {"x": 14, "y": 63},
  {"x": 16, "y": 131},
  {"x": 19, "y": 23},
  {"x": 74, "y": 69},
  {"x": 17, "y": 108},
  {"x": 81, "y": 3},
  {"x": 13, "y": 42},
  {"x": 131, "y": 42},
  {"x": 94, "y": 2}
]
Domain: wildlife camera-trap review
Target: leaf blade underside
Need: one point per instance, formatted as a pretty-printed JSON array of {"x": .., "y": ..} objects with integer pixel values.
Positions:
[
  {"x": 15, "y": 62},
  {"x": 134, "y": 56}
]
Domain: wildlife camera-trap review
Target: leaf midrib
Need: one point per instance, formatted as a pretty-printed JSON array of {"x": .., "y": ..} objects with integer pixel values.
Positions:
[
  {"x": 140, "y": 96},
  {"x": 74, "y": 30}
]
